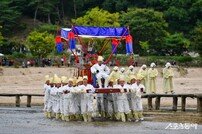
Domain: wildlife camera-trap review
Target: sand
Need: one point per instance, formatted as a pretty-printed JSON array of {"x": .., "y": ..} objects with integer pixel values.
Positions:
[{"x": 30, "y": 80}]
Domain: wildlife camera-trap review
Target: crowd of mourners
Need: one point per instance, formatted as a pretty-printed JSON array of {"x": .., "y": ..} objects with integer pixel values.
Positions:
[{"x": 75, "y": 99}]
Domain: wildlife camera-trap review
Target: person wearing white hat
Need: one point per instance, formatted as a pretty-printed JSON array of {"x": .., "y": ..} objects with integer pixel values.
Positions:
[
  {"x": 87, "y": 100},
  {"x": 64, "y": 83},
  {"x": 77, "y": 98},
  {"x": 101, "y": 71},
  {"x": 167, "y": 65},
  {"x": 123, "y": 74},
  {"x": 50, "y": 98},
  {"x": 152, "y": 74},
  {"x": 130, "y": 72},
  {"x": 115, "y": 74},
  {"x": 47, "y": 82},
  {"x": 123, "y": 106},
  {"x": 168, "y": 78},
  {"x": 129, "y": 95},
  {"x": 137, "y": 89},
  {"x": 47, "y": 88},
  {"x": 122, "y": 70},
  {"x": 143, "y": 75},
  {"x": 68, "y": 103},
  {"x": 55, "y": 96}
]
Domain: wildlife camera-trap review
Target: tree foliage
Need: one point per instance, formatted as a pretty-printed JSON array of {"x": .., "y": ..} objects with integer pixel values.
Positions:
[
  {"x": 146, "y": 25},
  {"x": 149, "y": 20},
  {"x": 48, "y": 28},
  {"x": 9, "y": 16},
  {"x": 145, "y": 46},
  {"x": 98, "y": 17},
  {"x": 175, "y": 44},
  {"x": 1, "y": 36},
  {"x": 115, "y": 5},
  {"x": 40, "y": 44},
  {"x": 178, "y": 18},
  {"x": 196, "y": 12},
  {"x": 197, "y": 39},
  {"x": 45, "y": 9},
  {"x": 182, "y": 15}
]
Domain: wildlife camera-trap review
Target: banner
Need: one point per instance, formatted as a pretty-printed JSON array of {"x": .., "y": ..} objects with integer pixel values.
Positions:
[{"x": 89, "y": 31}]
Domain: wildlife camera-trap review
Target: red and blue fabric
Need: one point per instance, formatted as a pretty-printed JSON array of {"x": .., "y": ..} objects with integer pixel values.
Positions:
[
  {"x": 129, "y": 44},
  {"x": 115, "y": 44},
  {"x": 72, "y": 41},
  {"x": 58, "y": 39},
  {"x": 59, "y": 45}
]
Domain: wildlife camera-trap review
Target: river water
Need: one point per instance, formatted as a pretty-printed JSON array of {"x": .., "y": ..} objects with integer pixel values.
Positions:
[{"x": 32, "y": 121}]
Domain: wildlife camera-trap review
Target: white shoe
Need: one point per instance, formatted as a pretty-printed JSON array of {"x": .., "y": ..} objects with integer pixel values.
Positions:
[
  {"x": 137, "y": 120},
  {"x": 141, "y": 119}
]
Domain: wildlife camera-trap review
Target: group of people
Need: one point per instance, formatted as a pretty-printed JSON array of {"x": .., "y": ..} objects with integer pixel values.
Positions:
[
  {"x": 147, "y": 76},
  {"x": 70, "y": 99},
  {"x": 75, "y": 99}
]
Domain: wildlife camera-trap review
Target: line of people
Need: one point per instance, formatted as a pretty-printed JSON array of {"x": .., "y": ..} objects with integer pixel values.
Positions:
[
  {"x": 70, "y": 99},
  {"x": 147, "y": 76}
]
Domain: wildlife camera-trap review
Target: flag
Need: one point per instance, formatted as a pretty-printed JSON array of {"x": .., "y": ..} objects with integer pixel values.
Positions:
[
  {"x": 59, "y": 47},
  {"x": 129, "y": 44},
  {"x": 58, "y": 39},
  {"x": 72, "y": 41},
  {"x": 115, "y": 43}
]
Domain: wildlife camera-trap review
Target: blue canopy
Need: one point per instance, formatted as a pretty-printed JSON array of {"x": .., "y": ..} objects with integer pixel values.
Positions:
[{"x": 100, "y": 32}]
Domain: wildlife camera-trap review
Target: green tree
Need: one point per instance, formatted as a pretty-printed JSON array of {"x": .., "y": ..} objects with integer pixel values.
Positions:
[
  {"x": 146, "y": 25},
  {"x": 178, "y": 19},
  {"x": 196, "y": 12},
  {"x": 175, "y": 44},
  {"x": 48, "y": 28},
  {"x": 20, "y": 5},
  {"x": 163, "y": 5},
  {"x": 45, "y": 10},
  {"x": 40, "y": 44},
  {"x": 145, "y": 46},
  {"x": 18, "y": 44},
  {"x": 6, "y": 47},
  {"x": 98, "y": 17},
  {"x": 9, "y": 16},
  {"x": 1, "y": 36},
  {"x": 197, "y": 39},
  {"x": 182, "y": 15},
  {"x": 115, "y": 5},
  {"x": 160, "y": 5}
]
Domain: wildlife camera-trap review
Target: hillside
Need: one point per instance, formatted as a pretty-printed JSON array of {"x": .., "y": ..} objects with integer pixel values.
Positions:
[{"x": 174, "y": 25}]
